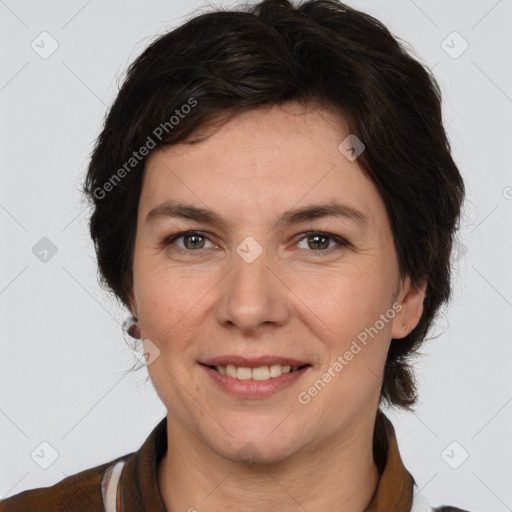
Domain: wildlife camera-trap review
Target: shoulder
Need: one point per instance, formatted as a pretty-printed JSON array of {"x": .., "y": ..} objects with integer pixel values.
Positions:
[
  {"x": 80, "y": 492},
  {"x": 448, "y": 508},
  {"x": 420, "y": 504}
]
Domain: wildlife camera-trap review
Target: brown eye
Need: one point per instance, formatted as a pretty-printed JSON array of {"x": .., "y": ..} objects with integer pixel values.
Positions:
[
  {"x": 320, "y": 242},
  {"x": 192, "y": 241}
]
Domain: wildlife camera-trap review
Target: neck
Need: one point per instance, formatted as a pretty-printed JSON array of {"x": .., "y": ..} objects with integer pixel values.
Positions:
[{"x": 321, "y": 478}]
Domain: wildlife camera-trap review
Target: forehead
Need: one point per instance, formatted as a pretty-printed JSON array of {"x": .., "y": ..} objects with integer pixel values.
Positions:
[{"x": 262, "y": 161}]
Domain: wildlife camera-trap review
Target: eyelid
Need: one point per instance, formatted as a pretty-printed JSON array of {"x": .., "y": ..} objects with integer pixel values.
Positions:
[{"x": 340, "y": 241}]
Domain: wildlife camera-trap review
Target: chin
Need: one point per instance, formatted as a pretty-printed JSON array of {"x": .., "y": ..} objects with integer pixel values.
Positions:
[
  {"x": 257, "y": 453},
  {"x": 251, "y": 447}
]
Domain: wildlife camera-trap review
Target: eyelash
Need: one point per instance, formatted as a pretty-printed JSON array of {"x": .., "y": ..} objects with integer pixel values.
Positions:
[{"x": 340, "y": 241}]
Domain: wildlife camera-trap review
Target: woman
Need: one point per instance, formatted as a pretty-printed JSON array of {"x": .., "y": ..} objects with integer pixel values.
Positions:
[{"x": 275, "y": 202}]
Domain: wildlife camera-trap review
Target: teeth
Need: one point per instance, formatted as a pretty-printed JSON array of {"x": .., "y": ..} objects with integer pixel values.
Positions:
[
  {"x": 230, "y": 370},
  {"x": 276, "y": 370},
  {"x": 259, "y": 373},
  {"x": 243, "y": 373}
]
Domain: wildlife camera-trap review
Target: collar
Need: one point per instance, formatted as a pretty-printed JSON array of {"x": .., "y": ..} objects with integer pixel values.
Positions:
[
  {"x": 139, "y": 479},
  {"x": 395, "y": 488}
]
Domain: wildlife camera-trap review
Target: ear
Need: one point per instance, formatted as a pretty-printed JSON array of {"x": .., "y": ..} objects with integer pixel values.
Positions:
[
  {"x": 133, "y": 325},
  {"x": 411, "y": 300}
]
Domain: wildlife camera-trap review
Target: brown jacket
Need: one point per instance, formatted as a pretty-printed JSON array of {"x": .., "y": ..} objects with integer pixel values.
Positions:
[{"x": 130, "y": 483}]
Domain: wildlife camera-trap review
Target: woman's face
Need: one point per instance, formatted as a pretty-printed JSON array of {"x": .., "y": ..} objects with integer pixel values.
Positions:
[{"x": 259, "y": 286}]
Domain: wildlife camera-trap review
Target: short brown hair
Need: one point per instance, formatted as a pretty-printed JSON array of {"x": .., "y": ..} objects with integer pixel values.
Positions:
[{"x": 322, "y": 51}]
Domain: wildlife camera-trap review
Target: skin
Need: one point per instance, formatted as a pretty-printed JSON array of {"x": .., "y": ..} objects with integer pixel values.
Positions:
[{"x": 289, "y": 301}]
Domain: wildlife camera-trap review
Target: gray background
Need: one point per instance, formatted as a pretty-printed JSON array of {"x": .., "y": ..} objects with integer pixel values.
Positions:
[{"x": 63, "y": 376}]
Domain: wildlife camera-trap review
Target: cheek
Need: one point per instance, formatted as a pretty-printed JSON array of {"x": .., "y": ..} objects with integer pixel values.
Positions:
[
  {"x": 345, "y": 302},
  {"x": 168, "y": 307},
  {"x": 356, "y": 342},
  {"x": 169, "y": 318}
]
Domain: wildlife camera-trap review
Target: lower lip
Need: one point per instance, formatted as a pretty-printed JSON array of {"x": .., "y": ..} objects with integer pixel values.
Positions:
[{"x": 255, "y": 388}]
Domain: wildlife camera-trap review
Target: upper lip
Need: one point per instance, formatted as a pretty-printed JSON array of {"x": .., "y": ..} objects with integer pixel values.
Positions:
[{"x": 252, "y": 362}]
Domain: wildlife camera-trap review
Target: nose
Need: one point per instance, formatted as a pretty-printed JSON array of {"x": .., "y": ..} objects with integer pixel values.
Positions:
[{"x": 253, "y": 294}]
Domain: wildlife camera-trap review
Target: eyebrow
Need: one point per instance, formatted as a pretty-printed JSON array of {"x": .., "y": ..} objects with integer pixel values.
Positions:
[{"x": 290, "y": 217}]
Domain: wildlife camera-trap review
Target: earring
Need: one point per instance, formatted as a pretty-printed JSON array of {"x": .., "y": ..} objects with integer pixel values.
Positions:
[
  {"x": 404, "y": 327},
  {"x": 131, "y": 326}
]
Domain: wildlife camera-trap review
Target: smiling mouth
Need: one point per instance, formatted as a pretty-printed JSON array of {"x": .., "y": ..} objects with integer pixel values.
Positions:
[{"x": 259, "y": 373}]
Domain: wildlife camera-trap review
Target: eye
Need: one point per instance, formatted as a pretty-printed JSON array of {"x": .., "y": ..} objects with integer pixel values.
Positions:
[
  {"x": 192, "y": 240},
  {"x": 317, "y": 241},
  {"x": 320, "y": 241}
]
